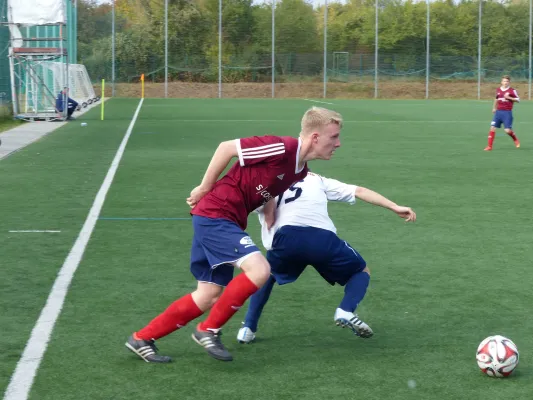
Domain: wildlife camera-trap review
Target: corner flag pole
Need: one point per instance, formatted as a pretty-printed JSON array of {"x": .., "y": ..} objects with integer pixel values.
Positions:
[
  {"x": 102, "y": 98},
  {"x": 142, "y": 86}
]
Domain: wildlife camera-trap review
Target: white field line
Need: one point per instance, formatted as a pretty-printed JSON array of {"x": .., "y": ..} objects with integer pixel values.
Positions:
[
  {"x": 26, "y": 369},
  {"x": 35, "y": 231},
  {"x": 350, "y": 121},
  {"x": 316, "y": 101}
]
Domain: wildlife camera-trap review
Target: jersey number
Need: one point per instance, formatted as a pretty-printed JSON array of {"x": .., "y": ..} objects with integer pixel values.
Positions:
[{"x": 293, "y": 188}]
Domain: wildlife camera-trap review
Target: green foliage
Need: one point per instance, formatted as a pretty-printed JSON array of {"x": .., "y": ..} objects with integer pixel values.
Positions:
[{"x": 247, "y": 31}]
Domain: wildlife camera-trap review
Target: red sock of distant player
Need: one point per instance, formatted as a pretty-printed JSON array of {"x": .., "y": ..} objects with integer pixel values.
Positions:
[
  {"x": 491, "y": 138},
  {"x": 233, "y": 297},
  {"x": 513, "y": 136},
  {"x": 177, "y": 315}
]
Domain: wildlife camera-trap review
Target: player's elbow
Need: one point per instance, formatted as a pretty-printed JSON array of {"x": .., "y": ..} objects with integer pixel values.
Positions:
[{"x": 360, "y": 192}]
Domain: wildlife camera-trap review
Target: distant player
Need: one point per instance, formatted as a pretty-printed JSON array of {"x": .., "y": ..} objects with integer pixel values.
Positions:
[
  {"x": 502, "y": 109},
  {"x": 303, "y": 234},
  {"x": 71, "y": 104},
  {"x": 267, "y": 166}
]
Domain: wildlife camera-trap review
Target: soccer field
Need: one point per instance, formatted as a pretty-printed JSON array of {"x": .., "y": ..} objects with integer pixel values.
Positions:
[{"x": 462, "y": 272}]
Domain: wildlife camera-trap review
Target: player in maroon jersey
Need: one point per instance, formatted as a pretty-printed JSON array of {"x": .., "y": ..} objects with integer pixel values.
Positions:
[
  {"x": 267, "y": 166},
  {"x": 502, "y": 109}
]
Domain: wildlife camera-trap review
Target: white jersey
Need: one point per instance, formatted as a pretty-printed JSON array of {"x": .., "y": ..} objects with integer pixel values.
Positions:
[{"x": 306, "y": 204}]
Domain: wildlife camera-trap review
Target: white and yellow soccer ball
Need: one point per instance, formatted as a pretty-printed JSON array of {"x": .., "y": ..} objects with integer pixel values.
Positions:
[{"x": 497, "y": 356}]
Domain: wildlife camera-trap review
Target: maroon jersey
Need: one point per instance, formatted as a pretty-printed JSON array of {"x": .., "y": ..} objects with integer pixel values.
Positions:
[
  {"x": 503, "y": 103},
  {"x": 267, "y": 166}
]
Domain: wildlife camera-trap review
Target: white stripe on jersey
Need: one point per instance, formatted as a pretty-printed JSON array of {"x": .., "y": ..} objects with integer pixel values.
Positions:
[
  {"x": 266, "y": 146},
  {"x": 263, "y": 155},
  {"x": 250, "y": 152},
  {"x": 267, "y": 150}
]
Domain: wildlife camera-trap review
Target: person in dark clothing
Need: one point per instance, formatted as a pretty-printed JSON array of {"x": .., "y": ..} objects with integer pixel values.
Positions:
[{"x": 71, "y": 104}]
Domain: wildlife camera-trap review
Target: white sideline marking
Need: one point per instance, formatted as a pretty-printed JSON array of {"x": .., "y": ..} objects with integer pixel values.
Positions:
[
  {"x": 22, "y": 379},
  {"x": 316, "y": 101},
  {"x": 350, "y": 121},
  {"x": 45, "y": 231}
]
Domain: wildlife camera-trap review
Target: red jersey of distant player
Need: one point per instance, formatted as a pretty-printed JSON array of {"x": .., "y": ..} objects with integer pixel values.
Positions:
[
  {"x": 503, "y": 103},
  {"x": 267, "y": 166}
]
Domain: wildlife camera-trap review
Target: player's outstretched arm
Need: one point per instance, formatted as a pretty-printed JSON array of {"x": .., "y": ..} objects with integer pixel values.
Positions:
[
  {"x": 494, "y": 105},
  {"x": 222, "y": 157},
  {"x": 372, "y": 197}
]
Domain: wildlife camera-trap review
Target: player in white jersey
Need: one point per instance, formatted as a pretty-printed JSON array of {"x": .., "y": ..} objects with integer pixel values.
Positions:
[{"x": 301, "y": 233}]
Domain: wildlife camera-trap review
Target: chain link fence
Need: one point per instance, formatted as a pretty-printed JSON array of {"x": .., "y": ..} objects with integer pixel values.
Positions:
[
  {"x": 297, "y": 48},
  {"x": 5, "y": 82}
]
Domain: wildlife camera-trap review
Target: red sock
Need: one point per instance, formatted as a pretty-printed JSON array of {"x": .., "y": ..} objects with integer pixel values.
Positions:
[
  {"x": 233, "y": 297},
  {"x": 176, "y": 316},
  {"x": 511, "y": 133},
  {"x": 491, "y": 138}
]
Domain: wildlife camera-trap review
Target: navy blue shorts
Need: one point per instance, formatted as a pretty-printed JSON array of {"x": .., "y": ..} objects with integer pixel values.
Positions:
[
  {"x": 502, "y": 117},
  {"x": 216, "y": 245},
  {"x": 296, "y": 247}
]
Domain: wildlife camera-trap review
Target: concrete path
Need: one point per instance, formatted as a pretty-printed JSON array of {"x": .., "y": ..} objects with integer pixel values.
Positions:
[{"x": 17, "y": 138}]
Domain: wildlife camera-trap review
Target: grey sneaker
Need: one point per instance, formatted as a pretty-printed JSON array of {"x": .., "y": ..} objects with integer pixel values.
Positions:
[
  {"x": 357, "y": 326},
  {"x": 147, "y": 350},
  {"x": 210, "y": 341}
]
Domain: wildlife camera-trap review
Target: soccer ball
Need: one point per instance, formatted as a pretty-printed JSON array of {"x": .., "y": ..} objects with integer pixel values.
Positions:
[{"x": 497, "y": 356}]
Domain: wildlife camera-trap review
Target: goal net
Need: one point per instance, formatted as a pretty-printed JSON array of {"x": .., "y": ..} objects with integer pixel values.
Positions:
[
  {"x": 79, "y": 83},
  {"x": 38, "y": 83}
]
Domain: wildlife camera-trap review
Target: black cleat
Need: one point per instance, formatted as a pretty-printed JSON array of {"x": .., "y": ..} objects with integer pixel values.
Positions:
[
  {"x": 211, "y": 342},
  {"x": 147, "y": 350}
]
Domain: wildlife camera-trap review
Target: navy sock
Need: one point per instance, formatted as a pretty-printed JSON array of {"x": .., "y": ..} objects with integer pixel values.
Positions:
[
  {"x": 354, "y": 291},
  {"x": 257, "y": 302}
]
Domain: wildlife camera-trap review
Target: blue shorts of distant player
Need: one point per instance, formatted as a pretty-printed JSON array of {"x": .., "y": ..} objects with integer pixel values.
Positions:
[
  {"x": 504, "y": 117},
  {"x": 218, "y": 245},
  {"x": 296, "y": 247}
]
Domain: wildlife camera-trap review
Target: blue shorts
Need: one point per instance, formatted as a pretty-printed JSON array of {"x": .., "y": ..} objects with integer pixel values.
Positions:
[
  {"x": 502, "y": 117},
  {"x": 216, "y": 245},
  {"x": 296, "y": 247}
]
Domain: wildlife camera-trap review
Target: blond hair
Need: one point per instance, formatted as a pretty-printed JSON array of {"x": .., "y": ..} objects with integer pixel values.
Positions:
[
  {"x": 317, "y": 118},
  {"x": 506, "y": 77}
]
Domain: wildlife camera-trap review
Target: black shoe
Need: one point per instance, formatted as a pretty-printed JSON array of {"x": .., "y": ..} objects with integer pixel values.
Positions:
[
  {"x": 211, "y": 342},
  {"x": 147, "y": 350},
  {"x": 71, "y": 118}
]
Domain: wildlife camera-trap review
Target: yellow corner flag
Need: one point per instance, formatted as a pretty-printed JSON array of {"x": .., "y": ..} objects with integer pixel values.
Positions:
[
  {"x": 142, "y": 86},
  {"x": 102, "y": 98}
]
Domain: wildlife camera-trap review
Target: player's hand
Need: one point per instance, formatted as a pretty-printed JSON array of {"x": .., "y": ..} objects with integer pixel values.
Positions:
[
  {"x": 493, "y": 110},
  {"x": 196, "y": 195},
  {"x": 270, "y": 222},
  {"x": 269, "y": 211},
  {"x": 406, "y": 213},
  {"x": 508, "y": 96}
]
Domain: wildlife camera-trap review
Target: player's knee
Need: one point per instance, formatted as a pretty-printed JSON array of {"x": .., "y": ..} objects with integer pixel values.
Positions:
[
  {"x": 256, "y": 268},
  {"x": 213, "y": 300},
  {"x": 206, "y": 303},
  {"x": 206, "y": 295}
]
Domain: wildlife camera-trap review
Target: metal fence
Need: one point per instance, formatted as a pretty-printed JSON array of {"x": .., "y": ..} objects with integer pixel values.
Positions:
[{"x": 294, "y": 48}]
